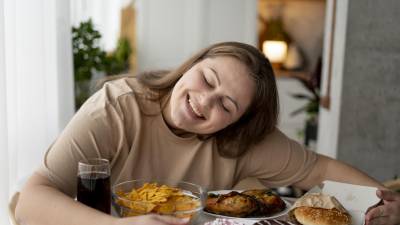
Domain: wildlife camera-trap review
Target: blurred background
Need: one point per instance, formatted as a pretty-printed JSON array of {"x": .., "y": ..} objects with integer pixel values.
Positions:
[{"x": 336, "y": 65}]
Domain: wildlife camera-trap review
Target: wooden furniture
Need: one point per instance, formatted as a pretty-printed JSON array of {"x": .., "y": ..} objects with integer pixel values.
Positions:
[
  {"x": 11, "y": 208},
  {"x": 303, "y": 75},
  {"x": 393, "y": 184}
]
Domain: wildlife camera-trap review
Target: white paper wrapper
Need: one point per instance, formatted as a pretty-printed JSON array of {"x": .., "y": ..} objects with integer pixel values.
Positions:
[
  {"x": 356, "y": 199},
  {"x": 317, "y": 200}
]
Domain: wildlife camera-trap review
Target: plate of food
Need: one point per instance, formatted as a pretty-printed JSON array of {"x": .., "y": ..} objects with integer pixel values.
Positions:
[{"x": 257, "y": 204}]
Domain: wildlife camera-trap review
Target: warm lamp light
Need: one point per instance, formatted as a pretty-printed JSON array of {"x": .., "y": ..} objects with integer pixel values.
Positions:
[{"x": 275, "y": 51}]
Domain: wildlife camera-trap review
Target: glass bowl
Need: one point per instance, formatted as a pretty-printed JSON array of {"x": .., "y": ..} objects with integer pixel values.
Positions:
[{"x": 188, "y": 204}]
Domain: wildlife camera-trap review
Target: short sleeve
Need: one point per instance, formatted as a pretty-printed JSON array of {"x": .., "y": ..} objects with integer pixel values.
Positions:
[
  {"x": 280, "y": 161},
  {"x": 95, "y": 131}
]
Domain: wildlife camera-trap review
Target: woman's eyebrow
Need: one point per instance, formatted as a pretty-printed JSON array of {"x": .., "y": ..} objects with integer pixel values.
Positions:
[{"x": 219, "y": 83}]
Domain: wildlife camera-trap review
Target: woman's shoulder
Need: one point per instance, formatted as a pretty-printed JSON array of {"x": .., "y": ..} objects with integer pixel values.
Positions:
[
  {"x": 274, "y": 137},
  {"x": 273, "y": 141},
  {"x": 114, "y": 89},
  {"x": 127, "y": 92},
  {"x": 112, "y": 94},
  {"x": 121, "y": 86}
]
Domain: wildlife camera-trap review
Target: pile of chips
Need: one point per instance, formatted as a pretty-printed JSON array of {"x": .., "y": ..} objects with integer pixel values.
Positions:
[{"x": 160, "y": 199}]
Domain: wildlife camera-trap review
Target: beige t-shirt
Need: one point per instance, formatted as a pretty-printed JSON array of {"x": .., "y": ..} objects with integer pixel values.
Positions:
[{"x": 139, "y": 144}]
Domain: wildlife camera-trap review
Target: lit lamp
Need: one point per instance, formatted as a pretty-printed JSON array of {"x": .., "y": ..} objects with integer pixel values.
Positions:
[{"x": 275, "y": 51}]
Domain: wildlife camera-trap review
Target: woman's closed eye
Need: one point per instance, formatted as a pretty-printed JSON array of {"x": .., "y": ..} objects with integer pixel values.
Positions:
[
  {"x": 224, "y": 106},
  {"x": 206, "y": 81}
]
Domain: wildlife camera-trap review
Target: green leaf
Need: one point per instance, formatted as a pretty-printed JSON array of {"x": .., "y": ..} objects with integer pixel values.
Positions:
[
  {"x": 301, "y": 96},
  {"x": 89, "y": 56},
  {"x": 298, "y": 111}
]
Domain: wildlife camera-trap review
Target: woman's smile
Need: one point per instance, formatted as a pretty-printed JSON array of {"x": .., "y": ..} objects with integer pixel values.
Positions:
[{"x": 193, "y": 110}]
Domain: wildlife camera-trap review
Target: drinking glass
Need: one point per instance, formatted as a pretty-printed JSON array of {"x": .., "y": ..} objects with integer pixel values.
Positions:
[{"x": 94, "y": 184}]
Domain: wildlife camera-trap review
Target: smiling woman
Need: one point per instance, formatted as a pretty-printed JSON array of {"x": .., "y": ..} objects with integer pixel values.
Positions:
[
  {"x": 236, "y": 80},
  {"x": 211, "y": 121}
]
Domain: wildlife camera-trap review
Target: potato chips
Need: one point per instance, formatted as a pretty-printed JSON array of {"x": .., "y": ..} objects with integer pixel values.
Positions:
[{"x": 152, "y": 198}]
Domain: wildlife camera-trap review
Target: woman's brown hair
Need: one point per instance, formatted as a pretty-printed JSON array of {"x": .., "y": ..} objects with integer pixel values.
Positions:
[{"x": 261, "y": 116}]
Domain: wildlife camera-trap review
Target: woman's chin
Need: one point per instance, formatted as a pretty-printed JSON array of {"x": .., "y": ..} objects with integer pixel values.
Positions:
[{"x": 192, "y": 130}]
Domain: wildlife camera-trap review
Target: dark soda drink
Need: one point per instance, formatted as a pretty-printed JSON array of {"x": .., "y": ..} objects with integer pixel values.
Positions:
[{"x": 94, "y": 191}]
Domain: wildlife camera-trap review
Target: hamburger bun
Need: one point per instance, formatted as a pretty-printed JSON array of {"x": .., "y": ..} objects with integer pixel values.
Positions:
[{"x": 320, "y": 216}]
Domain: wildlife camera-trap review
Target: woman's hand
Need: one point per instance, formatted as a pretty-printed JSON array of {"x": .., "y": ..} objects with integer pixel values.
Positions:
[
  {"x": 388, "y": 213},
  {"x": 151, "y": 219}
]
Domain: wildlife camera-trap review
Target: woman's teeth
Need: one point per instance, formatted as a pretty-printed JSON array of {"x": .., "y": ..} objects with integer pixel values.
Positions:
[{"x": 195, "y": 110}]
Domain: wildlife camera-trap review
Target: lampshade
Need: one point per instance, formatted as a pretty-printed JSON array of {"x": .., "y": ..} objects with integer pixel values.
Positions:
[{"x": 275, "y": 50}]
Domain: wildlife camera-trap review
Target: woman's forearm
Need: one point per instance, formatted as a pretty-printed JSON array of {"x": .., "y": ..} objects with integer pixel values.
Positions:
[
  {"x": 42, "y": 204},
  {"x": 331, "y": 169},
  {"x": 340, "y": 171}
]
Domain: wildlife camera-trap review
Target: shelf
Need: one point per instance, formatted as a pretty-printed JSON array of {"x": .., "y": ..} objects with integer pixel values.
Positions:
[{"x": 303, "y": 75}]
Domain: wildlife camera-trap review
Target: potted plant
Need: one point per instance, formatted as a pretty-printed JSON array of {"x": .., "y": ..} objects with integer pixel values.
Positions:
[
  {"x": 311, "y": 108},
  {"x": 88, "y": 58},
  {"x": 91, "y": 61}
]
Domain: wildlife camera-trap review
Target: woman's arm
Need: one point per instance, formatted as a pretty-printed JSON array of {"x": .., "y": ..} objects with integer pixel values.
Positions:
[
  {"x": 326, "y": 168},
  {"x": 40, "y": 203},
  {"x": 94, "y": 132},
  {"x": 330, "y": 169}
]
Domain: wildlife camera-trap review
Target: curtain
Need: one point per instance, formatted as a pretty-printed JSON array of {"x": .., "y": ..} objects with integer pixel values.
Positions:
[
  {"x": 4, "y": 172},
  {"x": 36, "y": 86},
  {"x": 36, "y": 79}
]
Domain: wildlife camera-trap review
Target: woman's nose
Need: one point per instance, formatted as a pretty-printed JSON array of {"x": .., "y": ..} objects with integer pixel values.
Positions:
[{"x": 206, "y": 100}]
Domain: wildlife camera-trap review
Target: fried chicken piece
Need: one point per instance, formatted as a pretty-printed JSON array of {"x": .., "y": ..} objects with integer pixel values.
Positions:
[
  {"x": 270, "y": 202},
  {"x": 231, "y": 204}
]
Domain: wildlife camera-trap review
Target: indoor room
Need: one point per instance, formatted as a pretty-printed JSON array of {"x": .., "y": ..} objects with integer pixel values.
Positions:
[{"x": 173, "y": 111}]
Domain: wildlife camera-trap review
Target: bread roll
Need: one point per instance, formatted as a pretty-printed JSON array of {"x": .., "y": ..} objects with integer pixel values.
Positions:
[{"x": 319, "y": 216}]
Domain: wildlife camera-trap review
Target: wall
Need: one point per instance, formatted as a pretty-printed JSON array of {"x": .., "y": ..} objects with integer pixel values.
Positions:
[
  {"x": 362, "y": 125},
  {"x": 168, "y": 32},
  {"x": 370, "y": 118},
  {"x": 105, "y": 15},
  {"x": 328, "y": 129},
  {"x": 292, "y": 126}
]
